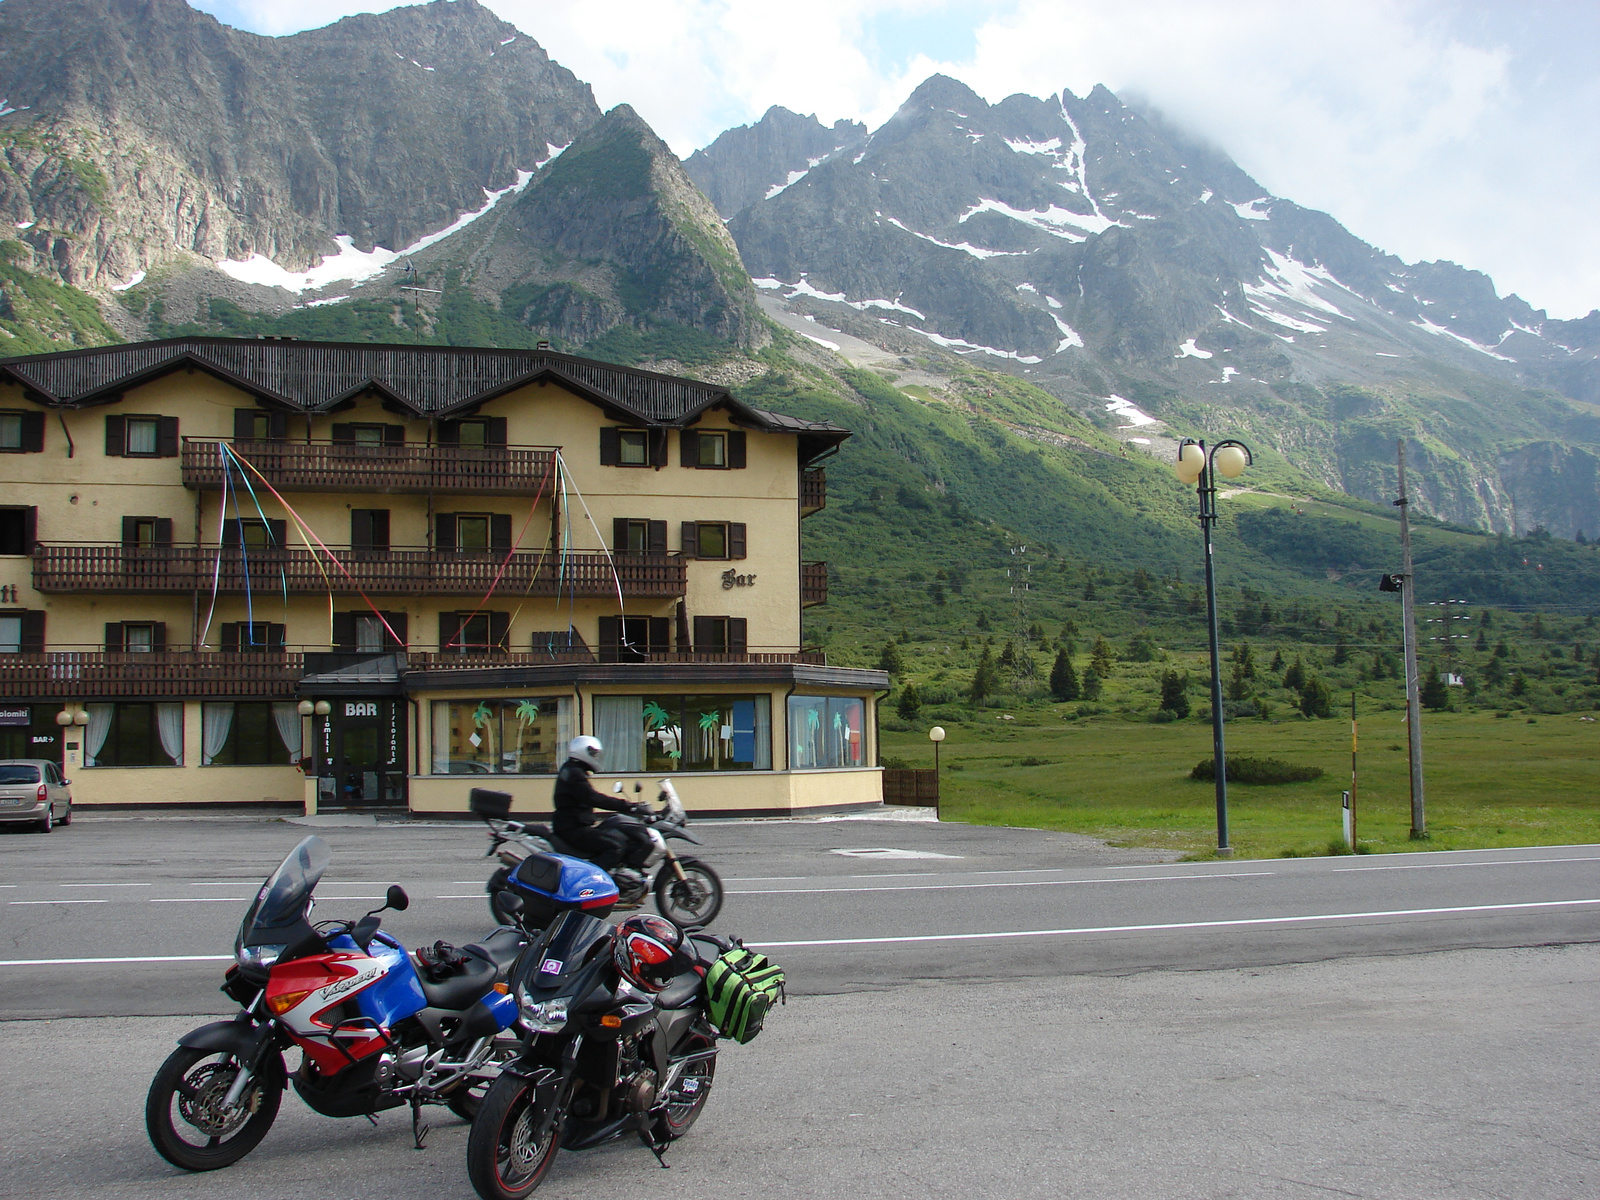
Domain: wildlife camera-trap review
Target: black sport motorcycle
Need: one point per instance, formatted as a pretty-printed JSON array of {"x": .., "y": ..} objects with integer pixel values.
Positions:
[
  {"x": 688, "y": 892},
  {"x": 601, "y": 1059}
]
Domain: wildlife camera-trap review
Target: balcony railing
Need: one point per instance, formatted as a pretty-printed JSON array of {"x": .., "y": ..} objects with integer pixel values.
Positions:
[
  {"x": 349, "y": 467},
  {"x": 813, "y": 491},
  {"x": 813, "y": 584},
  {"x": 407, "y": 572},
  {"x": 479, "y": 660},
  {"x": 73, "y": 674}
]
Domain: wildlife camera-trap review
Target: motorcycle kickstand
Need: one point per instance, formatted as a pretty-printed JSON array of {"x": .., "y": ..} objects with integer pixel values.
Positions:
[
  {"x": 658, "y": 1149},
  {"x": 419, "y": 1131}
]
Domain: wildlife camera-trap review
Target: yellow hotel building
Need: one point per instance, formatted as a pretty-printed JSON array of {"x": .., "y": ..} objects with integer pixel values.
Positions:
[{"x": 329, "y": 576}]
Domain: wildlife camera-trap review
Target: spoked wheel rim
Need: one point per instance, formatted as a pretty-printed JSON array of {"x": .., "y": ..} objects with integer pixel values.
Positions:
[
  {"x": 693, "y": 900},
  {"x": 199, "y": 1119}
]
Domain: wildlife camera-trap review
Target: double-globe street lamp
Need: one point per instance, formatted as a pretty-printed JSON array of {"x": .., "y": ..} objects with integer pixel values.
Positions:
[{"x": 1200, "y": 464}]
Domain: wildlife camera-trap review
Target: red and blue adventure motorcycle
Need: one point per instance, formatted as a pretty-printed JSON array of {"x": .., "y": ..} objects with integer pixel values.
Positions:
[{"x": 376, "y": 1028}]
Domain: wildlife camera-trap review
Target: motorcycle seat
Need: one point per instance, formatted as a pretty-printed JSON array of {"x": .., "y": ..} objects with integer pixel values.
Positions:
[
  {"x": 500, "y": 948},
  {"x": 476, "y": 978},
  {"x": 681, "y": 992}
]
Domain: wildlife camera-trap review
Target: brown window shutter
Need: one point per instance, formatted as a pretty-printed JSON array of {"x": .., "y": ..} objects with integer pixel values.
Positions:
[
  {"x": 444, "y": 531},
  {"x": 129, "y": 530},
  {"x": 344, "y": 433},
  {"x": 344, "y": 631},
  {"x": 394, "y": 435},
  {"x": 500, "y": 531},
  {"x": 619, "y": 534},
  {"x": 158, "y": 635},
  {"x": 738, "y": 635},
  {"x": 33, "y": 631},
  {"x": 658, "y": 447},
  {"x": 30, "y": 529},
  {"x": 163, "y": 531},
  {"x": 244, "y": 424},
  {"x": 397, "y": 623},
  {"x": 610, "y": 638},
  {"x": 494, "y": 431},
  {"x": 736, "y": 539},
  {"x": 275, "y": 637},
  {"x": 705, "y": 629},
  {"x": 278, "y": 533},
  {"x": 610, "y": 447},
  {"x": 228, "y": 638},
  {"x": 232, "y": 534},
  {"x": 167, "y": 437},
  {"x": 689, "y": 441},
  {"x": 681, "y": 619},
  {"x": 499, "y": 630},
  {"x": 113, "y": 636},
  {"x": 116, "y": 437},
  {"x": 449, "y": 631},
  {"x": 736, "y": 449},
  {"x": 278, "y": 425},
  {"x": 660, "y": 635},
  {"x": 658, "y": 537},
  {"x": 691, "y": 540},
  {"x": 32, "y": 432},
  {"x": 449, "y": 433}
]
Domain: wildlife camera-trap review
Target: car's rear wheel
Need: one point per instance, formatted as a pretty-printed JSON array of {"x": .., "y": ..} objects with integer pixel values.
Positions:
[
  {"x": 66, "y": 818},
  {"x": 48, "y": 821}
]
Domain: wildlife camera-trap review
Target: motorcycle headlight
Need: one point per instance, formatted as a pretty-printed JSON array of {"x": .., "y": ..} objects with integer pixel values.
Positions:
[
  {"x": 259, "y": 957},
  {"x": 548, "y": 1016}
]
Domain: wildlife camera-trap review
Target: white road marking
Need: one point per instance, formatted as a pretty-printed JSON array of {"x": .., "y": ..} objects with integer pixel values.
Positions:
[
  {"x": 200, "y": 900},
  {"x": 58, "y": 902},
  {"x": 103, "y": 885},
  {"x": 1016, "y": 883},
  {"x": 890, "y": 852},
  {"x": 1492, "y": 862},
  {"x": 1237, "y": 923},
  {"x": 81, "y": 962}
]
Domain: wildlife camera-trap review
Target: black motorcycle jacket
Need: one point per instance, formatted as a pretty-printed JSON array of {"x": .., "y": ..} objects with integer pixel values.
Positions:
[{"x": 576, "y": 798}]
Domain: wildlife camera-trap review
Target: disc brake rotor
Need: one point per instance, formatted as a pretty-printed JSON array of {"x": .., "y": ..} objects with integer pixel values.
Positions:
[{"x": 201, "y": 1106}]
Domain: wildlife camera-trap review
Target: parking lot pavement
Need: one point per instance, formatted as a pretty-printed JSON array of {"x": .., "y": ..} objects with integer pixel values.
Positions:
[{"x": 1453, "y": 1074}]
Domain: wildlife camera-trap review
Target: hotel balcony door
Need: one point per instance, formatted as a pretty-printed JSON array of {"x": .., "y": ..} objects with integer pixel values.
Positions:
[{"x": 362, "y": 755}]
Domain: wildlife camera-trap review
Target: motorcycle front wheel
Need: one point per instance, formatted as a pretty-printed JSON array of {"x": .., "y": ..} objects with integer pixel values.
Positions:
[
  {"x": 184, "y": 1115},
  {"x": 696, "y": 899},
  {"x": 688, "y": 1096},
  {"x": 505, "y": 1160}
]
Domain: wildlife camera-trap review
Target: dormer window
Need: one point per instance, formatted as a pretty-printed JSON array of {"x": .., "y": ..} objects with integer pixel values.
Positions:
[
  {"x": 633, "y": 448},
  {"x": 713, "y": 449}
]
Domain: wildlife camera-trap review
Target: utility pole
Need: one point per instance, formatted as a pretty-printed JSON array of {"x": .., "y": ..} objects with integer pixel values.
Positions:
[{"x": 1408, "y": 616}]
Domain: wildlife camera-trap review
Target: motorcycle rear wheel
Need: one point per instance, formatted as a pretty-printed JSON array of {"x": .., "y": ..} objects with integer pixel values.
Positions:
[
  {"x": 182, "y": 1117},
  {"x": 504, "y": 1161},
  {"x": 694, "y": 900}
]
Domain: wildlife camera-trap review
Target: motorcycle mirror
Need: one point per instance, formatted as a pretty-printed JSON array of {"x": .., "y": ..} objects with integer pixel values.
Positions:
[
  {"x": 510, "y": 902},
  {"x": 637, "y": 787},
  {"x": 617, "y": 787},
  {"x": 396, "y": 898}
]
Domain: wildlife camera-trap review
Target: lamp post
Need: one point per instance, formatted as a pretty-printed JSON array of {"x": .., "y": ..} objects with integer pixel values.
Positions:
[
  {"x": 936, "y": 735},
  {"x": 1199, "y": 464}
]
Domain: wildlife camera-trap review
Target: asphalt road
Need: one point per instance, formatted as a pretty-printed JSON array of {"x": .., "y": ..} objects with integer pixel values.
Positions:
[{"x": 976, "y": 1011}]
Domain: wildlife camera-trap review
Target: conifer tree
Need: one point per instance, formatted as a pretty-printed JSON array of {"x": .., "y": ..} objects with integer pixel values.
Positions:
[
  {"x": 910, "y": 703},
  {"x": 1174, "y": 693},
  {"x": 1100, "y": 658},
  {"x": 1063, "y": 679},
  {"x": 983, "y": 679}
]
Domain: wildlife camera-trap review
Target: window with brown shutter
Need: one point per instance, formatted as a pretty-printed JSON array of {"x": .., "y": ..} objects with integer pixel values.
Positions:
[
  {"x": 260, "y": 425},
  {"x": 714, "y": 539},
  {"x": 624, "y": 447},
  {"x": 369, "y": 529},
  {"x": 713, "y": 449},
  {"x": 721, "y": 635},
  {"x": 473, "y": 633},
  {"x": 141, "y": 437},
  {"x": 136, "y": 637},
  {"x": 482, "y": 432},
  {"x": 18, "y": 529},
  {"x": 634, "y": 639},
  {"x": 146, "y": 533},
  {"x": 21, "y": 432},
  {"x": 636, "y": 535}
]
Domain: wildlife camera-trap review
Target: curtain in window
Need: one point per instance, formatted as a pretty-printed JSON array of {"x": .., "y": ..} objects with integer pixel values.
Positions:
[
  {"x": 169, "y": 723},
  {"x": 216, "y": 723},
  {"x": 619, "y": 724},
  {"x": 286, "y": 716},
  {"x": 94, "y": 733},
  {"x": 807, "y": 743},
  {"x": 763, "y": 734}
]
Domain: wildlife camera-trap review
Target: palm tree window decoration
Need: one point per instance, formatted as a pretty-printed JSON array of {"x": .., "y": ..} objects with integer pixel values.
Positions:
[{"x": 660, "y": 730}]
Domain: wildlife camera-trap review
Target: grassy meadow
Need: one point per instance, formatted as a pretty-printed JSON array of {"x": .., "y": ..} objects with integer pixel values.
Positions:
[{"x": 1491, "y": 781}]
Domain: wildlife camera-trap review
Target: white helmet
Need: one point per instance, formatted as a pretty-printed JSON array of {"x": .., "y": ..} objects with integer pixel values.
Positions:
[{"x": 586, "y": 750}]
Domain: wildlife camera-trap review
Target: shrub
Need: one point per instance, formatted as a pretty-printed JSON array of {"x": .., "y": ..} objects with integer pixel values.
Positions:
[
  {"x": 1033, "y": 761},
  {"x": 1174, "y": 693},
  {"x": 910, "y": 703},
  {"x": 1243, "y": 769}
]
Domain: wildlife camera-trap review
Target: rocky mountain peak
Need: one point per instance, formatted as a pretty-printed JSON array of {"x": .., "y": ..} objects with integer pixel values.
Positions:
[{"x": 755, "y": 162}]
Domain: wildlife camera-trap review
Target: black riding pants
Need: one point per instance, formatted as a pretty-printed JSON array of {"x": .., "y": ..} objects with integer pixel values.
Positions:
[{"x": 605, "y": 848}]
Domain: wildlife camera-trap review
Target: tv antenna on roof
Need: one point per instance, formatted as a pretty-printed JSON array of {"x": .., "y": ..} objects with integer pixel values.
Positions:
[{"x": 413, "y": 284}]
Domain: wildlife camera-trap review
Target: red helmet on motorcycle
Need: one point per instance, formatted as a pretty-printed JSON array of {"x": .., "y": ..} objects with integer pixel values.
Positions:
[{"x": 648, "y": 951}]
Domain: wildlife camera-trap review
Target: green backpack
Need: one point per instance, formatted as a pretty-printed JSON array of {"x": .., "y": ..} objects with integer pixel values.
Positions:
[{"x": 740, "y": 987}]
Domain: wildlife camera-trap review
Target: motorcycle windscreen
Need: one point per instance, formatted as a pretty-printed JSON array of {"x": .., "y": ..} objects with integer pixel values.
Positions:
[
  {"x": 572, "y": 942},
  {"x": 280, "y": 906}
]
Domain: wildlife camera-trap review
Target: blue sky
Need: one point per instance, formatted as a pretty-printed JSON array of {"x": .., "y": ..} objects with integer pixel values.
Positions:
[{"x": 1459, "y": 129}]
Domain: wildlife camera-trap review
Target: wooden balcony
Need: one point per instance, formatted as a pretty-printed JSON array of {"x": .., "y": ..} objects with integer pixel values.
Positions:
[
  {"x": 347, "y": 467},
  {"x": 813, "y": 491},
  {"x": 813, "y": 584},
  {"x": 117, "y": 568},
  {"x": 480, "y": 660},
  {"x": 72, "y": 674}
]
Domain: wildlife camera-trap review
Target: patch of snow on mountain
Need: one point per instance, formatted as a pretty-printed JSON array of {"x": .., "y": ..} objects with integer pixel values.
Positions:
[
  {"x": 320, "y": 303},
  {"x": 961, "y": 347},
  {"x": 1051, "y": 148},
  {"x": 1292, "y": 280},
  {"x": 1076, "y": 162},
  {"x": 823, "y": 342},
  {"x": 965, "y": 247},
  {"x": 1055, "y": 220},
  {"x": 1287, "y": 322},
  {"x": 1052, "y": 302},
  {"x": 1027, "y": 287},
  {"x": 1465, "y": 341},
  {"x": 26, "y": 224},
  {"x": 1127, "y": 409},
  {"x": 1228, "y": 373},
  {"x": 360, "y": 265},
  {"x": 138, "y": 278},
  {"x": 1228, "y": 316},
  {"x": 509, "y": 40},
  {"x": 1190, "y": 350},
  {"x": 794, "y": 177},
  {"x": 769, "y": 283},
  {"x": 1069, "y": 336},
  {"x": 804, "y": 288},
  {"x": 1248, "y": 211},
  {"x": 1205, "y": 196},
  {"x": 1140, "y": 441}
]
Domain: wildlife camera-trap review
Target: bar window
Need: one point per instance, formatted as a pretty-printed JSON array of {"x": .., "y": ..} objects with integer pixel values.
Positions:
[
  {"x": 673, "y": 733},
  {"x": 249, "y": 734},
  {"x": 501, "y": 737},
  {"x": 133, "y": 735},
  {"x": 826, "y": 731}
]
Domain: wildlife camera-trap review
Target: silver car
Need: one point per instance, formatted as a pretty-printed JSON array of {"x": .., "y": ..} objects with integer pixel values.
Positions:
[{"x": 32, "y": 790}]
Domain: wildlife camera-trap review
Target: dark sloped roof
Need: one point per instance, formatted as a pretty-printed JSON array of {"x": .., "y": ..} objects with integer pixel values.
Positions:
[{"x": 432, "y": 381}]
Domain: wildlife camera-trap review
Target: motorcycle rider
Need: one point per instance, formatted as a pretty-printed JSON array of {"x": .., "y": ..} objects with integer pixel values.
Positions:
[{"x": 575, "y": 801}]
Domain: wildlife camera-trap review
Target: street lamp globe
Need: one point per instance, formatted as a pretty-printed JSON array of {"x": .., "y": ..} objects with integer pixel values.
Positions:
[
  {"x": 305, "y": 708},
  {"x": 1231, "y": 461},
  {"x": 1191, "y": 461},
  {"x": 936, "y": 734}
]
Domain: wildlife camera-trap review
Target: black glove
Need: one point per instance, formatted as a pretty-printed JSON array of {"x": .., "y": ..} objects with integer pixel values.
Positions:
[{"x": 639, "y": 809}]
